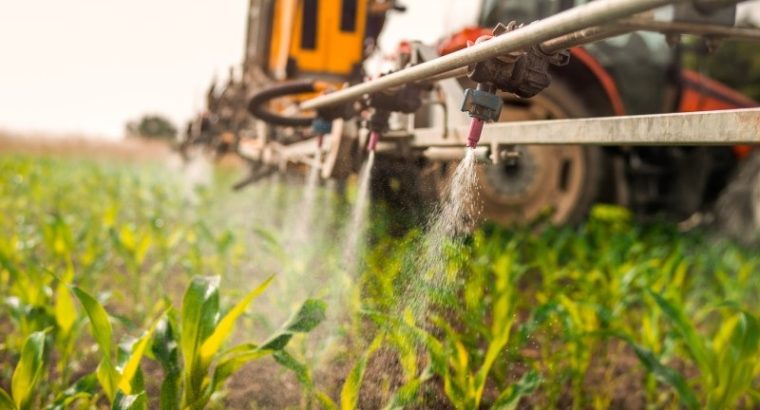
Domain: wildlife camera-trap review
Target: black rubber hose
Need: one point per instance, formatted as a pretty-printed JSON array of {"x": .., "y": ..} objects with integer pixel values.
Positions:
[{"x": 257, "y": 104}]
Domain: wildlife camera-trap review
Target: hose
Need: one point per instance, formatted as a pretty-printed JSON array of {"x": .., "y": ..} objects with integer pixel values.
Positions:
[{"x": 257, "y": 104}]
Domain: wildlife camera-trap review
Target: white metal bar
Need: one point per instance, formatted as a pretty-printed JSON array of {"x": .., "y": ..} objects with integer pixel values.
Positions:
[
  {"x": 578, "y": 18},
  {"x": 731, "y": 127}
]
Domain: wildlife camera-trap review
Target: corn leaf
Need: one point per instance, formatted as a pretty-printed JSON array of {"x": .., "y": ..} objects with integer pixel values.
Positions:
[
  {"x": 200, "y": 313},
  {"x": 132, "y": 365},
  {"x": 311, "y": 314},
  {"x": 693, "y": 340},
  {"x": 286, "y": 360},
  {"x": 164, "y": 349},
  {"x": 65, "y": 311},
  {"x": 231, "y": 363},
  {"x": 6, "y": 402},
  {"x": 223, "y": 330},
  {"x": 303, "y": 375},
  {"x": 130, "y": 402},
  {"x": 84, "y": 388},
  {"x": 736, "y": 362},
  {"x": 349, "y": 394},
  {"x": 510, "y": 398},
  {"x": 28, "y": 371},
  {"x": 746, "y": 337},
  {"x": 101, "y": 330},
  {"x": 665, "y": 374},
  {"x": 406, "y": 394}
]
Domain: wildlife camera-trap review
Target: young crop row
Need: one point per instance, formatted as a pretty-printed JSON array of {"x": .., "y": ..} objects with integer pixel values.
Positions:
[{"x": 110, "y": 277}]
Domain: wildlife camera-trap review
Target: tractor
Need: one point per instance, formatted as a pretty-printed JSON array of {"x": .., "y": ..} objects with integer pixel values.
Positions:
[
  {"x": 635, "y": 73},
  {"x": 297, "y": 49}
]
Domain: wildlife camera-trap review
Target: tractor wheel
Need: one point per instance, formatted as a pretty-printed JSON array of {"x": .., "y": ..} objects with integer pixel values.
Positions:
[{"x": 555, "y": 182}]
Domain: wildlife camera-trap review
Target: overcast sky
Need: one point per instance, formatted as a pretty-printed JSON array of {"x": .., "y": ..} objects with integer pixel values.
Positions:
[{"x": 88, "y": 66}]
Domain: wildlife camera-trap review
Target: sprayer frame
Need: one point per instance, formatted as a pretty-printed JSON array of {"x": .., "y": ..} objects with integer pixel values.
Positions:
[{"x": 584, "y": 24}]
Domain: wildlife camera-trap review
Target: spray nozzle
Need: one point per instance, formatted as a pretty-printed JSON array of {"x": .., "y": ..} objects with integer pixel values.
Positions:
[
  {"x": 374, "y": 138},
  {"x": 483, "y": 105},
  {"x": 476, "y": 129},
  {"x": 320, "y": 141}
]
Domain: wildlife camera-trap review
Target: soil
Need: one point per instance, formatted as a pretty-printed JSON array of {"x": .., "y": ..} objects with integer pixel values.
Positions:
[{"x": 131, "y": 149}]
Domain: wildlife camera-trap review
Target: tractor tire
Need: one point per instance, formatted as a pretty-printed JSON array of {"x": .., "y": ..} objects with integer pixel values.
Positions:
[{"x": 558, "y": 184}]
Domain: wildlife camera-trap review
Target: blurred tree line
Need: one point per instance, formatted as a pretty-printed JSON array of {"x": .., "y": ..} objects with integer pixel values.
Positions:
[
  {"x": 152, "y": 126},
  {"x": 734, "y": 63}
]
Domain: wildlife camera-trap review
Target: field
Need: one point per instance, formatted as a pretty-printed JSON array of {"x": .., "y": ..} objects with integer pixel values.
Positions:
[{"x": 148, "y": 286}]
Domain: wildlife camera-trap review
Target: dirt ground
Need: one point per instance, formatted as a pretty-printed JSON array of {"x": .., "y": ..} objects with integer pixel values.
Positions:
[{"x": 127, "y": 149}]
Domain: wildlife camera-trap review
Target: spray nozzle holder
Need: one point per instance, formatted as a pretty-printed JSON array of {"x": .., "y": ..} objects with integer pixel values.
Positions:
[{"x": 482, "y": 104}]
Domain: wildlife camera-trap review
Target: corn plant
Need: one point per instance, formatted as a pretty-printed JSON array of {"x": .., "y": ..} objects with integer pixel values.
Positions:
[
  {"x": 727, "y": 362},
  {"x": 198, "y": 338},
  {"x": 121, "y": 380},
  {"x": 29, "y": 371}
]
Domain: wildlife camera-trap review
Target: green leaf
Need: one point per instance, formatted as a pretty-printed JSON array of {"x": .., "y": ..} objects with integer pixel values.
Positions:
[
  {"x": 132, "y": 365},
  {"x": 746, "y": 336},
  {"x": 200, "y": 314},
  {"x": 510, "y": 398},
  {"x": 349, "y": 394},
  {"x": 101, "y": 330},
  {"x": 311, "y": 314},
  {"x": 213, "y": 343},
  {"x": 666, "y": 375},
  {"x": 289, "y": 362},
  {"x": 164, "y": 349},
  {"x": 169, "y": 397},
  {"x": 164, "y": 346},
  {"x": 405, "y": 395},
  {"x": 28, "y": 371},
  {"x": 6, "y": 403},
  {"x": 693, "y": 340},
  {"x": 232, "y": 362},
  {"x": 303, "y": 375},
  {"x": 85, "y": 387},
  {"x": 65, "y": 312},
  {"x": 130, "y": 402}
]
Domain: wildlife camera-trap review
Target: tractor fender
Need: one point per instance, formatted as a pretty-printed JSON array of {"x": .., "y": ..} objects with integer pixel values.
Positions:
[{"x": 592, "y": 83}]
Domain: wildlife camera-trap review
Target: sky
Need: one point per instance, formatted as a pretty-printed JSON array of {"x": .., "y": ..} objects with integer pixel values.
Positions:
[{"x": 86, "y": 67}]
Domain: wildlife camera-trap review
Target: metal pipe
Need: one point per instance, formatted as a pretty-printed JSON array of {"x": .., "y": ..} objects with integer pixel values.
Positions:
[
  {"x": 455, "y": 73},
  {"x": 582, "y": 37},
  {"x": 576, "y": 38},
  {"x": 454, "y": 153},
  {"x": 628, "y": 25},
  {"x": 588, "y": 15},
  {"x": 729, "y": 127},
  {"x": 622, "y": 26},
  {"x": 678, "y": 27}
]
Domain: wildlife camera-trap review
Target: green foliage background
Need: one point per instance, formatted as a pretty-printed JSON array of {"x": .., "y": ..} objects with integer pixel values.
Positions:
[{"x": 611, "y": 314}]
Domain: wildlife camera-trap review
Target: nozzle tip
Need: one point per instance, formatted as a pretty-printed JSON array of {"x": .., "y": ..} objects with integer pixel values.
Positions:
[
  {"x": 476, "y": 129},
  {"x": 374, "y": 137}
]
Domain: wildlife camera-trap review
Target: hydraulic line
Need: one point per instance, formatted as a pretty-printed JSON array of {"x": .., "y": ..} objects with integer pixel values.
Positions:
[
  {"x": 257, "y": 104},
  {"x": 590, "y": 14}
]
